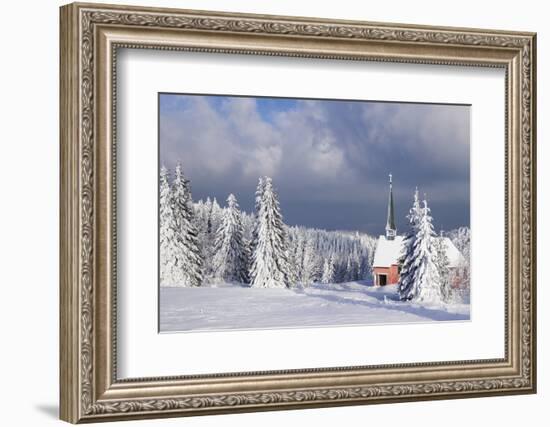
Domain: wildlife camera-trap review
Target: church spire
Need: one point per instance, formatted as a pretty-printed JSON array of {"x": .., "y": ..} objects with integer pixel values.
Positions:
[{"x": 391, "y": 230}]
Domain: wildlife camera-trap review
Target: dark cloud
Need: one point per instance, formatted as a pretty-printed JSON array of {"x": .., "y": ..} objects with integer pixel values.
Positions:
[{"x": 329, "y": 159}]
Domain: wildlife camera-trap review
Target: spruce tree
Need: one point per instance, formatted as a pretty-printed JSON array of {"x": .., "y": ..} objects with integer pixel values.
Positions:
[
  {"x": 298, "y": 257},
  {"x": 461, "y": 274},
  {"x": 269, "y": 264},
  {"x": 257, "y": 205},
  {"x": 311, "y": 267},
  {"x": 189, "y": 263},
  {"x": 208, "y": 206},
  {"x": 230, "y": 260},
  {"x": 328, "y": 270},
  {"x": 167, "y": 258},
  {"x": 350, "y": 270},
  {"x": 200, "y": 220},
  {"x": 406, "y": 261},
  {"x": 427, "y": 283},
  {"x": 443, "y": 263}
]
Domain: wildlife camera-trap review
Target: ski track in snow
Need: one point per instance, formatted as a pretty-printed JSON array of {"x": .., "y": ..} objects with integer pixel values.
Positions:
[{"x": 226, "y": 307}]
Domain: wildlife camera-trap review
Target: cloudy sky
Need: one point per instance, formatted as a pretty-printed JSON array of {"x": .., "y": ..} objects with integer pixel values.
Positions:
[{"x": 329, "y": 159}]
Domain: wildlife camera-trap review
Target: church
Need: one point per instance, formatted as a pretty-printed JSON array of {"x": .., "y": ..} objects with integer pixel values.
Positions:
[{"x": 385, "y": 266}]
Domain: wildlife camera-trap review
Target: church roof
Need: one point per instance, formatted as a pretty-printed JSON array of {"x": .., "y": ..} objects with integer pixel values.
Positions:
[{"x": 388, "y": 252}]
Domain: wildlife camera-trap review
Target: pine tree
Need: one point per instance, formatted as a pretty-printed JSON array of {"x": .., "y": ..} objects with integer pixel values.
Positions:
[
  {"x": 427, "y": 283},
  {"x": 215, "y": 216},
  {"x": 230, "y": 260},
  {"x": 328, "y": 270},
  {"x": 270, "y": 267},
  {"x": 461, "y": 274},
  {"x": 208, "y": 206},
  {"x": 289, "y": 266},
  {"x": 257, "y": 205},
  {"x": 351, "y": 270},
  {"x": 167, "y": 258},
  {"x": 200, "y": 219},
  {"x": 260, "y": 192},
  {"x": 443, "y": 263},
  {"x": 406, "y": 261},
  {"x": 189, "y": 263},
  {"x": 311, "y": 268},
  {"x": 298, "y": 254}
]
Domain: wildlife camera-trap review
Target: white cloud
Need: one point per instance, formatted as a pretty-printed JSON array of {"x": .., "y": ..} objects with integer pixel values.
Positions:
[{"x": 330, "y": 153}]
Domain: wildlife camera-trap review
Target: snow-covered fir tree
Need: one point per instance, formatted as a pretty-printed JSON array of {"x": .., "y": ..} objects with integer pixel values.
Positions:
[
  {"x": 351, "y": 270},
  {"x": 201, "y": 210},
  {"x": 188, "y": 263},
  {"x": 230, "y": 260},
  {"x": 323, "y": 244},
  {"x": 311, "y": 270},
  {"x": 328, "y": 270},
  {"x": 426, "y": 283},
  {"x": 256, "y": 223},
  {"x": 461, "y": 275},
  {"x": 166, "y": 231},
  {"x": 269, "y": 261},
  {"x": 407, "y": 259},
  {"x": 351, "y": 252},
  {"x": 304, "y": 253},
  {"x": 296, "y": 241},
  {"x": 207, "y": 220},
  {"x": 461, "y": 239},
  {"x": 443, "y": 265}
]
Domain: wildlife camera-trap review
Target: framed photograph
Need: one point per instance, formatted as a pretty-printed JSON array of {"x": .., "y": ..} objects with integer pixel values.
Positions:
[{"x": 265, "y": 213}]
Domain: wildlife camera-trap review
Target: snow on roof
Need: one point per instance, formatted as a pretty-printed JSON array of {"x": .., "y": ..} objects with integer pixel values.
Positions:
[{"x": 388, "y": 252}]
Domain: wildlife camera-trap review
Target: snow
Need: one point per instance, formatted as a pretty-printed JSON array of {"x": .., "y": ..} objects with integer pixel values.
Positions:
[
  {"x": 387, "y": 251},
  {"x": 226, "y": 307}
]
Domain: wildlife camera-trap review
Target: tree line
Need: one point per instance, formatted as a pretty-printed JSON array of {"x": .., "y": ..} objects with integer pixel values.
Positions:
[{"x": 202, "y": 242}]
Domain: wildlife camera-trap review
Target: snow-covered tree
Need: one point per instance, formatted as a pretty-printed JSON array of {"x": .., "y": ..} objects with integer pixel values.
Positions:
[
  {"x": 296, "y": 240},
  {"x": 207, "y": 221},
  {"x": 290, "y": 267},
  {"x": 201, "y": 211},
  {"x": 311, "y": 271},
  {"x": 230, "y": 259},
  {"x": 270, "y": 266},
  {"x": 461, "y": 274},
  {"x": 443, "y": 265},
  {"x": 426, "y": 285},
  {"x": 257, "y": 206},
  {"x": 407, "y": 258},
  {"x": 215, "y": 217},
  {"x": 166, "y": 231},
  {"x": 188, "y": 263},
  {"x": 352, "y": 268},
  {"x": 328, "y": 270},
  {"x": 461, "y": 239},
  {"x": 258, "y": 196},
  {"x": 352, "y": 254}
]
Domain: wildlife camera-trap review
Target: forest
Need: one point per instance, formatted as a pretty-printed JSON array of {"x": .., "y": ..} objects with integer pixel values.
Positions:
[{"x": 203, "y": 243}]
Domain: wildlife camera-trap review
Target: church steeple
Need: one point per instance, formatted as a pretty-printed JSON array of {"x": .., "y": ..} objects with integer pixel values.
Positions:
[{"x": 391, "y": 230}]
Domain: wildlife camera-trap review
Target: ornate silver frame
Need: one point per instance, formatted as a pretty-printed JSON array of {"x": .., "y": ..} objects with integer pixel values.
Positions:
[{"x": 90, "y": 36}]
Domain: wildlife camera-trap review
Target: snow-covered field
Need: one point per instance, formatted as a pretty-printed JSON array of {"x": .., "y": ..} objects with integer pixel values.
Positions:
[{"x": 227, "y": 307}]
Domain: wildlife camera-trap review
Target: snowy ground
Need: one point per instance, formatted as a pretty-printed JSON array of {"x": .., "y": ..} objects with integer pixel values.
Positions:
[{"x": 235, "y": 307}]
